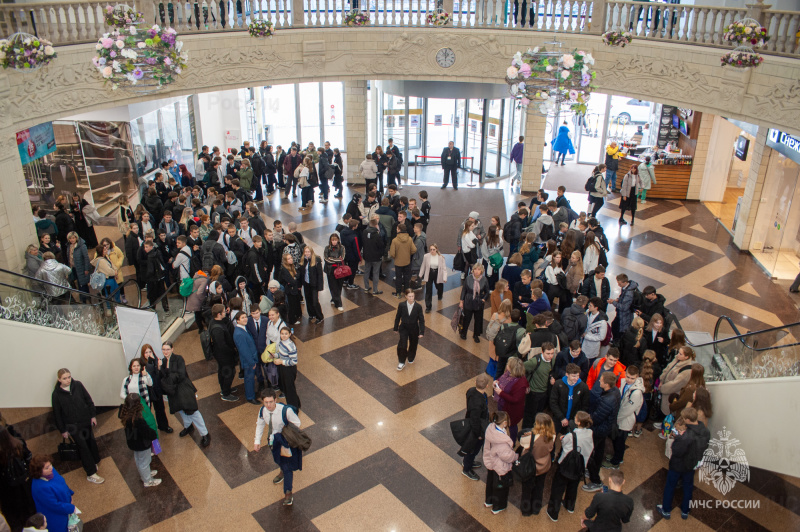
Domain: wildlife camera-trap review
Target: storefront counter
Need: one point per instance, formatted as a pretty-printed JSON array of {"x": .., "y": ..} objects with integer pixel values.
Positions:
[{"x": 672, "y": 181}]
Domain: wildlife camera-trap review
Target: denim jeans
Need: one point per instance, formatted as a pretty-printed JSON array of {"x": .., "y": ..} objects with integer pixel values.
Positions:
[
  {"x": 142, "y": 459},
  {"x": 196, "y": 418},
  {"x": 518, "y": 174},
  {"x": 110, "y": 287},
  {"x": 611, "y": 179},
  {"x": 372, "y": 270}
]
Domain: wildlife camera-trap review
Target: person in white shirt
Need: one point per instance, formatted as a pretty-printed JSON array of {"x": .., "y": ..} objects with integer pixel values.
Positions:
[
  {"x": 271, "y": 417},
  {"x": 137, "y": 381},
  {"x": 246, "y": 232},
  {"x": 596, "y": 329},
  {"x": 183, "y": 259}
]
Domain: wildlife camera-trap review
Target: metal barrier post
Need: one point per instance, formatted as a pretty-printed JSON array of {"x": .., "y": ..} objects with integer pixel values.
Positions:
[
  {"x": 415, "y": 182},
  {"x": 470, "y": 184}
]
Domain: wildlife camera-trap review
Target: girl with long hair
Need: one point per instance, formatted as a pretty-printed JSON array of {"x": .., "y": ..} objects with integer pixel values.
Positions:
[
  {"x": 543, "y": 438},
  {"x": 469, "y": 245},
  {"x": 591, "y": 253},
  {"x": 696, "y": 381},
  {"x": 313, "y": 284},
  {"x": 15, "y": 498},
  {"x": 629, "y": 190},
  {"x": 509, "y": 392},
  {"x": 286, "y": 360},
  {"x": 551, "y": 276},
  {"x": 633, "y": 344},
  {"x": 529, "y": 251},
  {"x": 657, "y": 337},
  {"x": 512, "y": 272},
  {"x": 433, "y": 273},
  {"x": 567, "y": 247},
  {"x": 492, "y": 245},
  {"x": 649, "y": 373},
  {"x": 676, "y": 341},
  {"x": 701, "y": 401},
  {"x": 139, "y": 435},
  {"x": 334, "y": 257},
  {"x": 292, "y": 284},
  {"x": 155, "y": 395},
  {"x": 574, "y": 280}
]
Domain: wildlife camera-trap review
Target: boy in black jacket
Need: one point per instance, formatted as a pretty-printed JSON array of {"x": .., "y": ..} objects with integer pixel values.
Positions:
[
  {"x": 478, "y": 416},
  {"x": 604, "y": 417},
  {"x": 569, "y": 395},
  {"x": 687, "y": 452},
  {"x": 611, "y": 509}
]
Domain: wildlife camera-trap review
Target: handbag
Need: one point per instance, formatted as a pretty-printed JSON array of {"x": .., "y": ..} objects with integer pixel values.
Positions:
[
  {"x": 342, "y": 271},
  {"x": 74, "y": 523},
  {"x": 156, "y": 446},
  {"x": 459, "y": 262},
  {"x": 267, "y": 355},
  {"x": 496, "y": 261},
  {"x": 98, "y": 279},
  {"x": 455, "y": 323},
  {"x": 525, "y": 467},
  {"x": 68, "y": 451},
  {"x": 491, "y": 368}
]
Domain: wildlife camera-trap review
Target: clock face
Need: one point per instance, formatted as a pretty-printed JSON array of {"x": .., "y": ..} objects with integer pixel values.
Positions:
[{"x": 445, "y": 57}]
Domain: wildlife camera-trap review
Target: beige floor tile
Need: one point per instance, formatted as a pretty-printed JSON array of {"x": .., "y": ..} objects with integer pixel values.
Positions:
[
  {"x": 375, "y": 509},
  {"x": 242, "y": 422},
  {"x": 425, "y": 363},
  {"x": 95, "y": 500},
  {"x": 663, "y": 252}
]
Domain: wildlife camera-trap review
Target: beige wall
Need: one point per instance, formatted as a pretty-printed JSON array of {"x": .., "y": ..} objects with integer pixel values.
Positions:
[
  {"x": 30, "y": 367},
  {"x": 757, "y": 413},
  {"x": 686, "y": 75}
]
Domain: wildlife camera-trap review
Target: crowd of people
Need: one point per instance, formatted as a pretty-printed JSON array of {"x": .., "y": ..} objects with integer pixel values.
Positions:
[{"x": 572, "y": 366}]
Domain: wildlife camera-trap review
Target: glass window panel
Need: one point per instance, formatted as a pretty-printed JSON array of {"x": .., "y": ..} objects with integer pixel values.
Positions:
[
  {"x": 591, "y": 148},
  {"x": 415, "y": 128},
  {"x": 493, "y": 138},
  {"x": 474, "y": 133},
  {"x": 309, "y": 114},
  {"x": 394, "y": 120},
  {"x": 333, "y": 113},
  {"x": 629, "y": 115},
  {"x": 279, "y": 106},
  {"x": 185, "y": 133},
  {"x": 151, "y": 141}
]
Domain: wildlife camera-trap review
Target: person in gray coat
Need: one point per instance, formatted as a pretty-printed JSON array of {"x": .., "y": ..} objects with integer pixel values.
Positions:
[
  {"x": 624, "y": 304},
  {"x": 78, "y": 260},
  {"x": 421, "y": 241}
]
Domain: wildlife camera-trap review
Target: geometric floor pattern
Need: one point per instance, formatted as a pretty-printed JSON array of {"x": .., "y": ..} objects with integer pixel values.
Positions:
[{"x": 382, "y": 456}]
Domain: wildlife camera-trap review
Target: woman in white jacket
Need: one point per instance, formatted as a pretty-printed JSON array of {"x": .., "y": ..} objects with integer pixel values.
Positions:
[
  {"x": 369, "y": 170},
  {"x": 629, "y": 406},
  {"x": 552, "y": 288},
  {"x": 469, "y": 243},
  {"x": 433, "y": 264},
  {"x": 591, "y": 253},
  {"x": 595, "y": 329}
]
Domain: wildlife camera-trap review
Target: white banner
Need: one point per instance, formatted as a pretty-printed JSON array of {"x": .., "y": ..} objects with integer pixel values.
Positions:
[{"x": 136, "y": 328}]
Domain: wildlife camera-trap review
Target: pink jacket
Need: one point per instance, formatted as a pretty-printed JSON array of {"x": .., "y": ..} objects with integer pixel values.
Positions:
[{"x": 498, "y": 451}]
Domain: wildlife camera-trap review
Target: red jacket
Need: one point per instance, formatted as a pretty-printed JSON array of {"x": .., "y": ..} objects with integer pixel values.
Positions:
[
  {"x": 619, "y": 371},
  {"x": 515, "y": 400}
]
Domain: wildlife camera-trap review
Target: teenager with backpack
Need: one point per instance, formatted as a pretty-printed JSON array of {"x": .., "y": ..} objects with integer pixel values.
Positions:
[
  {"x": 576, "y": 448},
  {"x": 596, "y": 329},
  {"x": 604, "y": 410},
  {"x": 274, "y": 416},
  {"x": 596, "y": 187},
  {"x": 630, "y": 405}
]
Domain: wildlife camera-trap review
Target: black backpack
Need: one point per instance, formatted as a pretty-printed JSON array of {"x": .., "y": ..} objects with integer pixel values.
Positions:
[
  {"x": 546, "y": 233},
  {"x": 638, "y": 299},
  {"x": 507, "y": 229},
  {"x": 591, "y": 184},
  {"x": 572, "y": 466},
  {"x": 205, "y": 343},
  {"x": 505, "y": 343}
]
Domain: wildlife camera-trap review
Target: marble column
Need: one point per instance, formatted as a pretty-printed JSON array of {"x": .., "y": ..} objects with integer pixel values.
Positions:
[
  {"x": 355, "y": 127},
  {"x": 754, "y": 188},
  {"x": 533, "y": 130},
  {"x": 17, "y": 230}
]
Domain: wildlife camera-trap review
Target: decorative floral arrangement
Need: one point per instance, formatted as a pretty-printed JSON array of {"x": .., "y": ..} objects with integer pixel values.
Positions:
[
  {"x": 746, "y": 32},
  {"x": 261, "y": 28},
  {"x": 356, "y": 18},
  {"x": 121, "y": 16},
  {"x": 22, "y": 51},
  {"x": 548, "y": 79},
  {"x": 439, "y": 18},
  {"x": 742, "y": 59},
  {"x": 145, "y": 56},
  {"x": 617, "y": 38}
]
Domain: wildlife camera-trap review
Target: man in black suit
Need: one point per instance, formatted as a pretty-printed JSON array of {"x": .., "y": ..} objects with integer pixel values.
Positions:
[
  {"x": 451, "y": 162},
  {"x": 257, "y": 327},
  {"x": 410, "y": 323}
]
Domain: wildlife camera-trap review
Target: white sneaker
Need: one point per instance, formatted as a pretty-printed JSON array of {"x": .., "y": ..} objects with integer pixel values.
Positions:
[
  {"x": 400, "y": 367},
  {"x": 153, "y": 472},
  {"x": 340, "y": 309},
  {"x": 153, "y": 482},
  {"x": 657, "y": 426},
  {"x": 95, "y": 479}
]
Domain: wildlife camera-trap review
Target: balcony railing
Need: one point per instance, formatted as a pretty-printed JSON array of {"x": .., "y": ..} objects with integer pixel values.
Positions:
[{"x": 82, "y": 21}]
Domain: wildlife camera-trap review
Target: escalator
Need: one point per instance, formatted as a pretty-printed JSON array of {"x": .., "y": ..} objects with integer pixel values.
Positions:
[
  {"x": 730, "y": 355},
  {"x": 74, "y": 330}
]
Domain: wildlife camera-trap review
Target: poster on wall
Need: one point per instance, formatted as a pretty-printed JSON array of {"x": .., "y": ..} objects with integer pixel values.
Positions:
[
  {"x": 414, "y": 120},
  {"x": 390, "y": 121},
  {"x": 492, "y": 130},
  {"x": 473, "y": 126},
  {"x": 437, "y": 120},
  {"x": 458, "y": 122},
  {"x": 401, "y": 121},
  {"x": 36, "y": 142}
]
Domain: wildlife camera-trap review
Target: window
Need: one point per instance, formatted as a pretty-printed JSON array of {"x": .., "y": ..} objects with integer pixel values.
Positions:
[{"x": 333, "y": 113}]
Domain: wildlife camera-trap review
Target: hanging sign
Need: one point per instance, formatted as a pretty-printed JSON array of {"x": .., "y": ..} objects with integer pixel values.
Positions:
[{"x": 36, "y": 142}]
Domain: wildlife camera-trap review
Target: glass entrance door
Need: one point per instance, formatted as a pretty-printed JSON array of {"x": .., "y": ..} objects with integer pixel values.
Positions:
[{"x": 775, "y": 222}]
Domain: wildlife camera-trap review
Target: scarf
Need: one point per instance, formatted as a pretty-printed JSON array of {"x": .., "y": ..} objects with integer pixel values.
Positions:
[
  {"x": 143, "y": 393},
  {"x": 570, "y": 395},
  {"x": 476, "y": 288}
]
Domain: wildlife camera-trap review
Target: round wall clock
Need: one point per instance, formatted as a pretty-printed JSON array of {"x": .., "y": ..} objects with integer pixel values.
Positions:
[{"x": 445, "y": 57}]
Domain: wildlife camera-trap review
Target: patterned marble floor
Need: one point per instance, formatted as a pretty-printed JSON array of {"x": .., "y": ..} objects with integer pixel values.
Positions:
[{"x": 382, "y": 457}]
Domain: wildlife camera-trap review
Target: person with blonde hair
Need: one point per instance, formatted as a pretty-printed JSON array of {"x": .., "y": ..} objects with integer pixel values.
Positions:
[
  {"x": 657, "y": 336},
  {"x": 674, "y": 377},
  {"x": 500, "y": 294},
  {"x": 538, "y": 444},
  {"x": 512, "y": 271},
  {"x": 293, "y": 283},
  {"x": 474, "y": 293},
  {"x": 311, "y": 275},
  {"x": 633, "y": 343},
  {"x": 509, "y": 392}
]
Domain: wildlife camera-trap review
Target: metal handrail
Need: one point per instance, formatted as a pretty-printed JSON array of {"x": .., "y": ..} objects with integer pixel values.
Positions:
[
  {"x": 126, "y": 283},
  {"x": 738, "y": 336},
  {"x": 71, "y": 289},
  {"x": 162, "y": 296}
]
